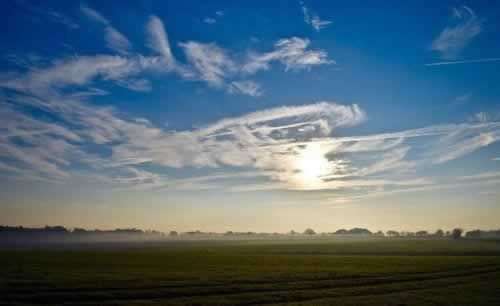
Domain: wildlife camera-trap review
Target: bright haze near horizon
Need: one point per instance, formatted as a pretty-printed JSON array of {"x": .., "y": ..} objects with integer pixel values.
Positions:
[{"x": 250, "y": 116}]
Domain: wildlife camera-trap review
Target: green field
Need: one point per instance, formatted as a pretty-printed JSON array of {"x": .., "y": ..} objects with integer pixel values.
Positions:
[{"x": 310, "y": 272}]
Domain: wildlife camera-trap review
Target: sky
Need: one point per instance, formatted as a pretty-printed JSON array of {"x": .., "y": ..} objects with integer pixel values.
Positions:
[{"x": 250, "y": 116}]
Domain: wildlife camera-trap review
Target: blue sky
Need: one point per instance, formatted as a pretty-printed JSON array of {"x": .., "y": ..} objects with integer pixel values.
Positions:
[{"x": 229, "y": 115}]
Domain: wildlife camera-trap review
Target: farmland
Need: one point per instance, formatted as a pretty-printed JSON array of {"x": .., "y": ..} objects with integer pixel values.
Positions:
[{"x": 298, "y": 272}]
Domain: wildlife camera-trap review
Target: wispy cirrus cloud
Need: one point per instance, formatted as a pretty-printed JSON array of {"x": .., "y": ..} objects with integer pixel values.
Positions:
[
  {"x": 269, "y": 149},
  {"x": 213, "y": 18},
  {"x": 74, "y": 71},
  {"x": 209, "y": 20},
  {"x": 472, "y": 61},
  {"x": 293, "y": 53},
  {"x": 312, "y": 19},
  {"x": 481, "y": 176},
  {"x": 214, "y": 65},
  {"x": 455, "y": 37},
  {"x": 115, "y": 40},
  {"x": 250, "y": 88},
  {"x": 466, "y": 140},
  {"x": 206, "y": 62},
  {"x": 210, "y": 61},
  {"x": 158, "y": 40}
]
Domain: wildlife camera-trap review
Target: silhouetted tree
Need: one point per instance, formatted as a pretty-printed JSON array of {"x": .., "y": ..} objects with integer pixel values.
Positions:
[
  {"x": 456, "y": 233},
  {"x": 173, "y": 233},
  {"x": 309, "y": 231},
  {"x": 422, "y": 234},
  {"x": 78, "y": 230},
  {"x": 359, "y": 231},
  {"x": 439, "y": 233},
  {"x": 354, "y": 231},
  {"x": 56, "y": 229},
  {"x": 474, "y": 234},
  {"x": 392, "y": 233}
]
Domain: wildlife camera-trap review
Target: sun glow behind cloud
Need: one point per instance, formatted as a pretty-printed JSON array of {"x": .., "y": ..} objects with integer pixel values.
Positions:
[{"x": 311, "y": 164}]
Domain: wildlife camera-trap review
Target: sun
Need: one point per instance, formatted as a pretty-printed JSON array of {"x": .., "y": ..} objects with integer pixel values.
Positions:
[{"x": 311, "y": 165}]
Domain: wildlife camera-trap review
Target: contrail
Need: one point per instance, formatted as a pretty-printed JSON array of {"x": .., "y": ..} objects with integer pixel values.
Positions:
[{"x": 481, "y": 60}]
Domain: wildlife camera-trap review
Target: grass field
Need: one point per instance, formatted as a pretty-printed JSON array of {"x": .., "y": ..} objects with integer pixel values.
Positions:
[{"x": 310, "y": 272}]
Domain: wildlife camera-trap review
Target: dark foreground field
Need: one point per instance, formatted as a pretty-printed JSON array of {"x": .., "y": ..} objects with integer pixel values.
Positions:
[{"x": 332, "y": 272}]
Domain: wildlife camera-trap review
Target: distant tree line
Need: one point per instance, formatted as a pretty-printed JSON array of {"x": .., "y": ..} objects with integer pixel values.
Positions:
[
  {"x": 455, "y": 234},
  {"x": 483, "y": 234},
  {"x": 60, "y": 233}
]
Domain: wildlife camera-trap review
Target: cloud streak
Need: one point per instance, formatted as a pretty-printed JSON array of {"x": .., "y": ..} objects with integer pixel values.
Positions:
[
  {"x": 455, "y": 37},
  {"x": 158, "y": 40},
  {"x": 210, "y": 61},
  {"x": 312, "y": 19},
  {"x": 115, "y": 40},
  {"x": 269, "y": 149},
  {"x": 293, "y": 53},
  {"x": 250, "y": 88},
  {"x": 472, "y": 61},
  {"x": 206, "y": 62}
]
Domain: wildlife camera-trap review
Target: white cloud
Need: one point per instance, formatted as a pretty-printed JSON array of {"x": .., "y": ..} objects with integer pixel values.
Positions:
[
  {"x": 276, "y": 145},
  {"x": 481, "y": 176},
  {"x": 481, "y": 117},
  {"x": 332, "y": 114},
  {"x": 91, "y": 13},
  {"x": 136, "y": 84},
  {"x": 465, "y": 142},
  {"x": 205, "y": 61},
  {"x": 480, "y": 60},
  {"x": 214, "y": 18},
  {"x": 454, "y": 38},
  {"x": 215, "y": 66},
  {"x": 74, "y": 71},
  {"x": 158, "y": 40},
  {"x": 45, "y": 147},
  {"x": 250, "y": 88},
  {"x": 209, "y": 20},
  {"x": 291, "y": 52},
  {"x": 459, "y": 140},
  {"x": 211, "y": 62},
  {"x": 115, "y": 40},
  {"x": 312, "y": 19}
]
